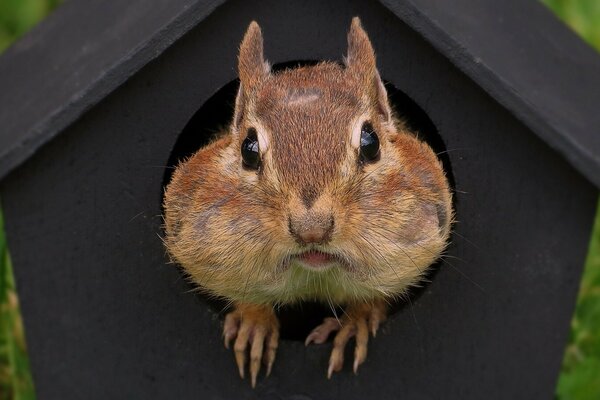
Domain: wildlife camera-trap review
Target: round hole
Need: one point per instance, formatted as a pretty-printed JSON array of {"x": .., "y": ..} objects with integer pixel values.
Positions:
[{"x": 212, "y": 118}]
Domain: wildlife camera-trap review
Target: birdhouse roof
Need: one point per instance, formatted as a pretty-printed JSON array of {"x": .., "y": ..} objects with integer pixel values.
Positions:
[{"x": 515, "y": 50}]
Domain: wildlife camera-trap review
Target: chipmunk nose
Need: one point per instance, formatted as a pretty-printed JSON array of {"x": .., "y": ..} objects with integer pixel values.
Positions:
[{"x": 312, "y": 229}]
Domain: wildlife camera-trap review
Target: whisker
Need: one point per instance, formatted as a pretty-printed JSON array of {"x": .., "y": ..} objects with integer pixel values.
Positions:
[{"x": 453, "y": 150}]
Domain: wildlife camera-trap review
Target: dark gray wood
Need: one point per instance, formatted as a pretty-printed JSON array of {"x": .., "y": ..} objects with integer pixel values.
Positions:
[
  {"x": 516, "y": 50},
  {"x": 106, "y": 317},
  {"x": 526, "y": 59},
  {"x": 74, "y": 58}
]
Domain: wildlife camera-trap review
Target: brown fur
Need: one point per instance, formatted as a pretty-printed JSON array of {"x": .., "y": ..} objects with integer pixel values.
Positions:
[{"x": 229, "y": 227}]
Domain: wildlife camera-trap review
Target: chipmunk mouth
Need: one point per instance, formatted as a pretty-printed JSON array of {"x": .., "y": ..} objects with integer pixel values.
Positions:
[{"x": 316, "y": 260}]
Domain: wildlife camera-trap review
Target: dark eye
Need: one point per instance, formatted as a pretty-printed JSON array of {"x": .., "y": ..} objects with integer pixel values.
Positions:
[
  {"x": 369, "y": 143},
  {"x": 250, "y": 156}
]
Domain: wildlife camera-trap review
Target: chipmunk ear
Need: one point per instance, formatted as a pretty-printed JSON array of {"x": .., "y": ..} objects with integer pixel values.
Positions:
[
  {"x": 360, "y": 62},
  {"x": 361, "y": 57},
  {"x": 252, "y": 67},
  {"x": 251, "y": 63}
]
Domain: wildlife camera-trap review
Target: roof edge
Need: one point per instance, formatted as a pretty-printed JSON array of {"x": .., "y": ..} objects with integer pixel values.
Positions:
[
  {"x": 457, "y": 41},
  {"x": 51, "y": 124}
]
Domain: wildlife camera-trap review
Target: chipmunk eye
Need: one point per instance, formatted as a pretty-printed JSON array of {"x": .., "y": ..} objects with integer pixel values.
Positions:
[
  {"x": 369, "y": 143},
  {"x": 250, "y": 156}
]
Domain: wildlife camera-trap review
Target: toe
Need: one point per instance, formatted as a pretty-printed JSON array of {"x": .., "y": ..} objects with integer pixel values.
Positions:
[
  {"x": 320, "y": 334},
  {"x": 256, "y": 352},
  {"x": 362, "y": 339},
  {"x": 336, "y": 360},
  {"x": 272, "y": 343},
  {"x": 230, "y": 327},
  {"x": 239, "y": 348},
  {"x": 376, "y": 317}
]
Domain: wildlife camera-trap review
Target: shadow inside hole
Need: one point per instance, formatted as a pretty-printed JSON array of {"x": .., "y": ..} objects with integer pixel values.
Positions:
[{"x": 211, "y": 121}]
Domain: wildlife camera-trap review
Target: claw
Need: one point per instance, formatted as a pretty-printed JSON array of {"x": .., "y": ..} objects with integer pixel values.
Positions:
[
  {"x": 241, "y": 342},
  {"x": 240, "y": 360},
  {"x": 227, "y": 339},
  {"x": 271, "y": 350},
  {"x": 256, "y": 353},
  {"x": 230, "y": 328},
  {"x": 270, "y": 365},
  {"x": 330, "y": 370},
  {"x": 374, "y": 328},
  {"x": 376, "y": 318}
]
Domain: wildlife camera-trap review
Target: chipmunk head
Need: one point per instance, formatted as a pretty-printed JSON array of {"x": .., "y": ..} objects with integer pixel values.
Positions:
[
  {"x": 317, "y": 177},
  {"x": 319, "y": 138}
]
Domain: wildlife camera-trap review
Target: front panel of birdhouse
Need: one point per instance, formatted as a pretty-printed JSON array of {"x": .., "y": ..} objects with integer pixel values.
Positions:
[{"x": 107, "y": 316}]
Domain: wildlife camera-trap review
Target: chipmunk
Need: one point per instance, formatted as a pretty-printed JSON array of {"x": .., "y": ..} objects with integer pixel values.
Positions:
[{"x": 316, "y": 191}]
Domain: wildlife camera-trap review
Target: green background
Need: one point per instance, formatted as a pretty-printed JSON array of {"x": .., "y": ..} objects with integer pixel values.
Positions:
[{"x": 580, "y": 374}]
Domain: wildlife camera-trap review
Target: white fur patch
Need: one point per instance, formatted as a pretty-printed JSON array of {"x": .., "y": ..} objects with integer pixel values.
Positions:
[
  {"x": 356, "y": 131},
  {"x": 296, "y": 97},
  {"x": 262, "y": 135}
]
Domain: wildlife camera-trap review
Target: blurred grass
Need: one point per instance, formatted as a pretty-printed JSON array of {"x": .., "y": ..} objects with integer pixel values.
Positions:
[
  {"x": 18, "y": 16},
  {"x": 580, "y": 376},
  {"x": 583, "y": 16},
  {"x": 15, "y": 378}
]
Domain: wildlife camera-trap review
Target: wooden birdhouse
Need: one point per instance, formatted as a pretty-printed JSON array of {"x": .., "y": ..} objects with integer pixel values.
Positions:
[{"x": 101, "y": 100}]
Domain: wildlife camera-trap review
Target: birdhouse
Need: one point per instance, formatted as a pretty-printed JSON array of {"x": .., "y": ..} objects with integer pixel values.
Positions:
[{"x": 101, "y": 100}]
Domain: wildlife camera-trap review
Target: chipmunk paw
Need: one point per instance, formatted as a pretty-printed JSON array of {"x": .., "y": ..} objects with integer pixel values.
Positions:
[
  {"x": 255, "y": 327},
  {"x": 356, "y": 323}
]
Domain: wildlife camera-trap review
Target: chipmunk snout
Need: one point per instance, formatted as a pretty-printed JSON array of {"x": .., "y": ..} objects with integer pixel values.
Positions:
[{"x": 311, "y": 228}]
